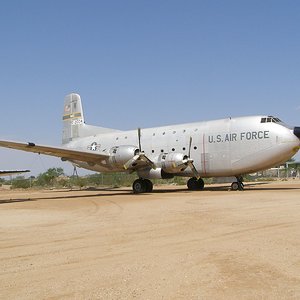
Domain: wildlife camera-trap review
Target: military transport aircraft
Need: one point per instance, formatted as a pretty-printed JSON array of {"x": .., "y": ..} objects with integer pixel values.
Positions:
[{"x": 227, "y": 147}]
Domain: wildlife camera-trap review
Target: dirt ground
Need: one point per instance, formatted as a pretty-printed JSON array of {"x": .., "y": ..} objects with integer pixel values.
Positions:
[{"x": 171, "y": 244}]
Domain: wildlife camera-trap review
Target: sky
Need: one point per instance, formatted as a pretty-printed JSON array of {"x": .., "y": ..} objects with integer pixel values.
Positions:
[{"x": 143, "y": 64}]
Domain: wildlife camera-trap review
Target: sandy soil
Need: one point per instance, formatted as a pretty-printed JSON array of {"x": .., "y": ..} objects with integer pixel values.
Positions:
[{"x": 171, "y": 244}]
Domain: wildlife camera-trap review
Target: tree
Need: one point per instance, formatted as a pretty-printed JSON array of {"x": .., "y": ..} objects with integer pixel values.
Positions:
[{"x": 49, "y": 177}]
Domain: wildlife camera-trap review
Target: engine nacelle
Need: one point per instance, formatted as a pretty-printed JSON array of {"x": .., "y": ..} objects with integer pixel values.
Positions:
[
  {"x": 119, "y": 155},
  {"x": 173, "y": 162},
  {"x": 158, "y": 173}
]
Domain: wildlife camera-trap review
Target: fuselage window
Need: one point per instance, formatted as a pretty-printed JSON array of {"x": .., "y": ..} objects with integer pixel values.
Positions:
[
  {"x": 153, "y": 134},
  {"x": 270, "y": 119},
  {"x": 152, "y": 151},
  {"x": 173, "y": 149},
  {"x": 183, "y": 148},
  {"x": 164, "y": 133},
  {"x": 195, "y": 148},
  {"x": 174, "y": 132},
  {"x": 276, "y": 120},
  {"x": 162, "y": 150}
]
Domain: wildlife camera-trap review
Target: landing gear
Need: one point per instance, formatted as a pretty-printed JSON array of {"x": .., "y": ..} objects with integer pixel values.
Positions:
[
  {"x": 142, "y": 186},
  {"x": 149, "y": 185},
  {"x": 195, "y": 184},
  {"x": 238, "y": 185}
]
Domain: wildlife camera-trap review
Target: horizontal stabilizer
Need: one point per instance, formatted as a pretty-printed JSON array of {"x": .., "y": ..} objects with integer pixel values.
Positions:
[{"x": 12, "y": 172}]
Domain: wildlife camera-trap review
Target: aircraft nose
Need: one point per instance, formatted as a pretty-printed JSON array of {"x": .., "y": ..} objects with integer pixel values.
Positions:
[{"x": 297, "y": 132}]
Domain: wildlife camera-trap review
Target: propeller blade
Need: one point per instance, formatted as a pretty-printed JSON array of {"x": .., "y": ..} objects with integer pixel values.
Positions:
[
  {"x": 128, "y": 164},
  {"x": 189, "y": 163},
  {"x": 140, "y": 156},
  {"x": 139, "y": 138},
  {"x": 185, "y": 163},
  {"x": 193, "y": 168},
  {"x": 190, "y": 145},
  {"x": 148, "y": 160}
]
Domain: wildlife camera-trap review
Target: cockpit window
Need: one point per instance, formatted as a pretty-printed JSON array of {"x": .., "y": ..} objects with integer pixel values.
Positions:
[{"x": 270, "y": 119}]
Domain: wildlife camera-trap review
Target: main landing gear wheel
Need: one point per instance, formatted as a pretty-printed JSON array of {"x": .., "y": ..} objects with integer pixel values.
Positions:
[
  {"x": 195, "y": 184},
  {"x": 238, "y": 185},
  {"x": 142, "y": 186},
  {"x": 149, "y": 185}
]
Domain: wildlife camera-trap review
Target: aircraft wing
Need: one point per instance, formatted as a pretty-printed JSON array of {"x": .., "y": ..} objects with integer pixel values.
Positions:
[
  {"x": 64, "y": 153},
  {"x": 12, "y": 172}
]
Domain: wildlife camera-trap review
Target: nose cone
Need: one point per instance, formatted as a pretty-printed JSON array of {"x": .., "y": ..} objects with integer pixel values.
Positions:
[{"x": 297, "y": 132}]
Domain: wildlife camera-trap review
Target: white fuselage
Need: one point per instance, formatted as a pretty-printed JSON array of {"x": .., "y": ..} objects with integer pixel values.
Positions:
[{"x": 226, "y": 147}]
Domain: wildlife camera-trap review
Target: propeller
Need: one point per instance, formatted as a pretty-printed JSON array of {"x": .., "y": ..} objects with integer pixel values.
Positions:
[
  {"x": 139, "y": 139},
  {"x": 190, "y": 162},
  {"x": 140, "y": 155}
]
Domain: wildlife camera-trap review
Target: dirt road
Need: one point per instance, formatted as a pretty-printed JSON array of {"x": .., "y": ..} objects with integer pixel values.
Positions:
[{"x": 171, "y": 244}]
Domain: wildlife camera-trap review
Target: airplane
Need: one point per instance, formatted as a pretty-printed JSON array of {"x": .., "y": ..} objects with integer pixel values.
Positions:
[
  {"x": 12, "y": 172},
  {"x": 217, "y": 148}
]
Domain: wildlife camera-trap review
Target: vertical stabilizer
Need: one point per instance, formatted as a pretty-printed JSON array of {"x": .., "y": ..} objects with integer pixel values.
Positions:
[
  {"x": 72, "y": 117},
  {"x": 73, "y": 121}
]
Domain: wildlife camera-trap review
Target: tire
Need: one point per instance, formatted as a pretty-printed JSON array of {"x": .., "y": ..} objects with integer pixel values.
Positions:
[
  {"x": 234, "y": 186},
  {"x": 139, "y": 186},
  {"x": 200, "y": 184},
  {"x": 195, "y": 184},
  {"x": 192, "y": 184},
  {"x": 149, "y": 185}
]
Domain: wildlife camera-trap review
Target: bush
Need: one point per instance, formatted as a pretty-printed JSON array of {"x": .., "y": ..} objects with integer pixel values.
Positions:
[{"x": 20, "y": 183}]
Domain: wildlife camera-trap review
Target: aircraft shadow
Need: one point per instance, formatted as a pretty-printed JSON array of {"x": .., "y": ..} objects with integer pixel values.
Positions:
[
  {"x": 112, "y": 192},
  {"x": 62, "y": 197},
  {"x": 107, "y": 192},
  {"x": 273, "y": 188},
  {"x": 16, "y": 200},
  {"x": 259, "y": 186}
]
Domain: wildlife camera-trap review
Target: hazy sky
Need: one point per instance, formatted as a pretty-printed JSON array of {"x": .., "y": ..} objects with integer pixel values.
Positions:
[{"x": 143, "y": 64}]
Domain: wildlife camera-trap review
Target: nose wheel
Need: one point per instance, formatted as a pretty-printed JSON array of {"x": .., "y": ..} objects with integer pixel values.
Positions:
[{"x": 238, "y": 185}]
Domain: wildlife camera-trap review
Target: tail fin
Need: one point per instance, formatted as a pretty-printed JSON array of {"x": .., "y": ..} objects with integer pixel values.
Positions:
[
  {"x": 72, "y": 117},
  {"x": 73, "y": 121}
]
